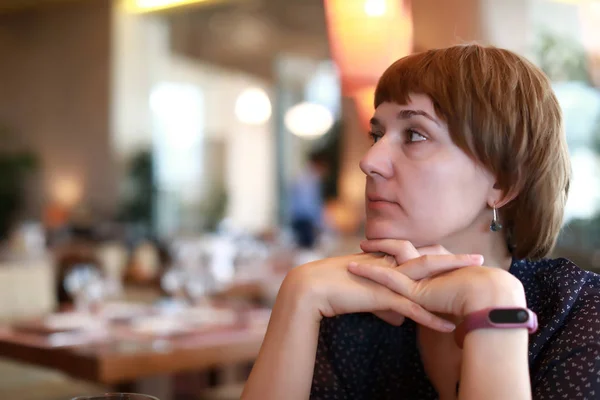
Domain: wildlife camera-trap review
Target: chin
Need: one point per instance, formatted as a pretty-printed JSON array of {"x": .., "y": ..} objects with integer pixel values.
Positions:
[{"x": 386, "y": 229}]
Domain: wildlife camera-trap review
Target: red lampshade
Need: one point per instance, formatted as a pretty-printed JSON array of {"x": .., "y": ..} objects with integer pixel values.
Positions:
[
  {"x": 363, "y": 99},
  {"x": 366, "y": 36}
]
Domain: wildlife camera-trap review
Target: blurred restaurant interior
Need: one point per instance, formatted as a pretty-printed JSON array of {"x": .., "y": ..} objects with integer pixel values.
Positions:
[{"x": 151, "y": 152}]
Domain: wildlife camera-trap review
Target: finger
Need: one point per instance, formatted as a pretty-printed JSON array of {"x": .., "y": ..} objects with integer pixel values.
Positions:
[
  {"x": 401, "y": 250},
  {"x": 377, "y": 258},
  {"x": 397, "y": 284},
  {"x": 421, "y": 316},
  {"x": 388, "y": 277},
  {"x": 430, "y": 265},
  {"x": 435, "y": 249},
  {"x": 391, "y": 317},
  {"x": 402, "y": 279}
]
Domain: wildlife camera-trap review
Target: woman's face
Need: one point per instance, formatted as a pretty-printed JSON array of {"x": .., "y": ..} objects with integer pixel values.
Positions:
[{"x": 420, "y": 186}]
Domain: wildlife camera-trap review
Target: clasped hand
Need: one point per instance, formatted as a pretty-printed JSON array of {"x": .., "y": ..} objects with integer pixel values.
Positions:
[{"x": 394, "y": 280}]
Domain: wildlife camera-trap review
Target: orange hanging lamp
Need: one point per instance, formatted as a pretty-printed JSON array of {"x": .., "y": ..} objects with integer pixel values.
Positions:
[{"x": 365, "y": 37}]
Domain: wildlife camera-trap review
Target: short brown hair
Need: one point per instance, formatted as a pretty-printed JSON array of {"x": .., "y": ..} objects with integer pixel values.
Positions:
[{"x": 501, "y": 110}]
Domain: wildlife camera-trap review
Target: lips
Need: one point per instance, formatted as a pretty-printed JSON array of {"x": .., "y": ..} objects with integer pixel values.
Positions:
[{"x": 375, "y": 198}]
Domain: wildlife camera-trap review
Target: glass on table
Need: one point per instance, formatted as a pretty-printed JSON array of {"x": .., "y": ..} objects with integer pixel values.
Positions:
[{"x": 117, "y": 396}]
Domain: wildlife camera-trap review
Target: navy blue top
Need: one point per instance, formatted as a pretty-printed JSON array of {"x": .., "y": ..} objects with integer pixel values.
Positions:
[{"x": 362, "y": 357}]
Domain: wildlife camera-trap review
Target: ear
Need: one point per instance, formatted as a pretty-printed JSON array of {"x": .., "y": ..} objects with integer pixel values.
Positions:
[{"x": 499, "y": 198}]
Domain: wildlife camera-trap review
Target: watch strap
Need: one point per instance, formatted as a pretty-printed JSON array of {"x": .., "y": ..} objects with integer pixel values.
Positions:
[{"x": 496, "y": 318}]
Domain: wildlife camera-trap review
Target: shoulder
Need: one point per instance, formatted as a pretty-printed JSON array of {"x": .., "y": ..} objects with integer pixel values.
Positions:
[
  {"x": 552, "y": 271},
  {"x": 578, "y": 293},
  {"x": 567, "y": 301},
  {"x": 552, "y": 282},
  {"x": 559, "y": 288},
  {"x": 580, "y": 296}
]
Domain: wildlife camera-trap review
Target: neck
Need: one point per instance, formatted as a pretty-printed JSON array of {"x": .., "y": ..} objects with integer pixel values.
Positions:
[{"x": 479, "y": 239}]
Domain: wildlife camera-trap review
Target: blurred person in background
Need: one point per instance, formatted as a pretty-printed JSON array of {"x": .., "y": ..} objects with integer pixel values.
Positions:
[
  {"x": 453, "y": 297},
  {"x": 306, "y": 201}
]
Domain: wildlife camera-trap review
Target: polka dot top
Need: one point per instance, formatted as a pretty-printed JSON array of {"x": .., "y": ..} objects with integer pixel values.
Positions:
[{"x": 361, "y": 357}]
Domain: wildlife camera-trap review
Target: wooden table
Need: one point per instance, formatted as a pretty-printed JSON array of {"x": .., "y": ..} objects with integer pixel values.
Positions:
[{"x": 115, "y": 362}]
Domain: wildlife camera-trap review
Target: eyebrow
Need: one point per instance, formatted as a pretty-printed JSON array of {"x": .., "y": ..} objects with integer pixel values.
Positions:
[{"x": 407, "y": 114}]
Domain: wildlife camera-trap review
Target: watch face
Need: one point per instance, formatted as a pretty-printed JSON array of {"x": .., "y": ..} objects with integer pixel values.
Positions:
[{"x": 509, "y": 316}]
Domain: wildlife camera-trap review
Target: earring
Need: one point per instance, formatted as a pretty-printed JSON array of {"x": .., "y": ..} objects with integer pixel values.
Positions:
[{"x": 495, "y": 226}]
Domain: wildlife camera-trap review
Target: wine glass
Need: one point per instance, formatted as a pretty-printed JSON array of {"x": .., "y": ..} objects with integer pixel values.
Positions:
[
  {"x": 117, "y": 396},
  {"x": 252, "y": 258},
  {"x": 85, "y": 285},
  {"x": 200, "y": 283},
  {"x": 172, "y": 281}
]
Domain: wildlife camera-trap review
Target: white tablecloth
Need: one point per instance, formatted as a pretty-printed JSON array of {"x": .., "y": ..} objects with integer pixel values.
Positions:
[{"x": 27, "y": 289}]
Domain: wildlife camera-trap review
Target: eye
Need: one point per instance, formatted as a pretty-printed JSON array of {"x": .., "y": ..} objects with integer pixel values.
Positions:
[
  {"x": 375, "y": 136},
  {"x": 414, "y": 136}
]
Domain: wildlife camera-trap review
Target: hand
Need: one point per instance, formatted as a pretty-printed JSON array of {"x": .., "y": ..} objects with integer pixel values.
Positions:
[
  {"x": 404, "y": 251},
  {"x": 438, "y": 288},
  {"x": 329, "y": 289}
]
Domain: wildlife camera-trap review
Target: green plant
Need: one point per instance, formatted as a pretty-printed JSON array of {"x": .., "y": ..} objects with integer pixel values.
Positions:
[
  {"x": 561, "y": 58},
  {"x": 214, "y": 207},
  {"x": 15, "y": 167},
  {"x": 138, "y": 205}
]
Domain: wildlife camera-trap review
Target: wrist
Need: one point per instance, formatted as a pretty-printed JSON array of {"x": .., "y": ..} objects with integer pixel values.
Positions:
[
  {"x": 496, "y": 289},
  {"x": 299, "y": 296}
]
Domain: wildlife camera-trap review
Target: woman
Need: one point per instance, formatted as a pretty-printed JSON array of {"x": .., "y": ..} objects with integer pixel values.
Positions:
[{"x": 466, "y": 183}]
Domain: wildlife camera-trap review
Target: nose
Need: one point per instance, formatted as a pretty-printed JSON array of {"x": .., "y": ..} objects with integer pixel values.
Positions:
[{"x": 377, "y": 161}]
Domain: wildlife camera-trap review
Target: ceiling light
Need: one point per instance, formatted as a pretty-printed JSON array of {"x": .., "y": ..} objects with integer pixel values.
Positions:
[
  {"x": 308, "y": 120},
  {"x": 253, "y": 106}
]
